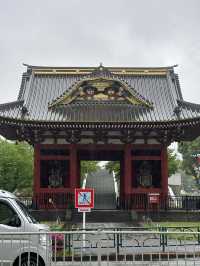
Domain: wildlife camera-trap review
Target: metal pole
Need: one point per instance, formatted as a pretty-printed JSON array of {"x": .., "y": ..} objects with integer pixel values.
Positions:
[
  {"x": 84, "y": 216},
  {"x": 84, "y": 213}
]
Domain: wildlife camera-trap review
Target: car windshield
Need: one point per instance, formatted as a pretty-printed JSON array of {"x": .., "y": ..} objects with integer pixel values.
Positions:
[{"x": 26, "y": 212}]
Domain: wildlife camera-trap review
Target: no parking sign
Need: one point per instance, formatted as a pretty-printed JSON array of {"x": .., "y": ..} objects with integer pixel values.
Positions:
[{"x": 84, "y": 199}]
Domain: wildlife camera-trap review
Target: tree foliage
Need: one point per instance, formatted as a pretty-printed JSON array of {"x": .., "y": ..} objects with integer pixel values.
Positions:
[
  {"x": 88, "y": 167},
  {"x": 190, "y": 151},
  {"x": 173, "y": 162},
  {"x": 16, "y": 166},
  {"x": 114, "y": 166}
]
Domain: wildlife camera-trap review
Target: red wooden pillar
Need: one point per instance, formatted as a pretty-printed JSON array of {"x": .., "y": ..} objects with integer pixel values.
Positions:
[
  {"x": 122, "y": 173},
  {"x": 74, "y": 175},
  {"x": 127, "y": 182},
  {"x": 164, "y": 167}
]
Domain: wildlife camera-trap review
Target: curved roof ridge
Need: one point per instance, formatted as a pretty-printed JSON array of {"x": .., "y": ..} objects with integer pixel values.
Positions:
[
  {"x": 92, "y": 68},
  {"x": 11, "y": 104},
  {"x": 183, "y": 103}
]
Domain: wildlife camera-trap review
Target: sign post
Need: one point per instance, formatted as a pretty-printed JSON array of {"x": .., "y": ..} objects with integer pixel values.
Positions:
[{"x": 84, "y": 202}]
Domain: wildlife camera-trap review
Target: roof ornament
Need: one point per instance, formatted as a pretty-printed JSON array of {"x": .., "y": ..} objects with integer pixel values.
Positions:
[
  {"x": 177, "y": 111},
  {"x": 24, "y": 111},
  {"x": 101, "y": 66},
  {"x": 101, "y": 72}
]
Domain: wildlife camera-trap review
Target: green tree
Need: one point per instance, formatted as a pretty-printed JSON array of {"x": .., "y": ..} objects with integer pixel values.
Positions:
[
  {"x": 88, "y": 167},
  {"x": 173, "y": 162},
  {"x": 189, "y": 151},
  {"x": 16, "y": 166},
  {"x": 114, "y": 166}
]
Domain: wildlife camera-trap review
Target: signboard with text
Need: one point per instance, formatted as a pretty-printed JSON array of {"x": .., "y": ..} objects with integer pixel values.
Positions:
[
  {"x": 154, "y": 198},
  {"x": 84, "y": 199}
]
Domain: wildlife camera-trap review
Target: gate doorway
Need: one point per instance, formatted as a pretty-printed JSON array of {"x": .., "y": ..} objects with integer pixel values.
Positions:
[{"x": 104, "y": 181}]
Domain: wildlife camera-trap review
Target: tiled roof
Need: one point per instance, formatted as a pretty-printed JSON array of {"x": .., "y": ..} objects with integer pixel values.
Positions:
[
  {"x": 43, "y": 85},
  {"x": 188, "y": 110},
  {"x": 12, "y": 109}
]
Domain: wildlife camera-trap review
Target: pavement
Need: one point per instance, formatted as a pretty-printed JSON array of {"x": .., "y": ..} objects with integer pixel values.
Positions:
[{"x": 135, "y": 263}]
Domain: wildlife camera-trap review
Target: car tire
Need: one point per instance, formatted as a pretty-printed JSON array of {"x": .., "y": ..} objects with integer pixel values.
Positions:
[{"x": 25, "y": 261}]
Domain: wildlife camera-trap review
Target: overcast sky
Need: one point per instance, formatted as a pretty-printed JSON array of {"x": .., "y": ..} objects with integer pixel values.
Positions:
[{"x": 87, "y": 32}]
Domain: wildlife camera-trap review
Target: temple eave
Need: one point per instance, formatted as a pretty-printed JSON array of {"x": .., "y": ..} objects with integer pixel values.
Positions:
[
  {"x": 92, "y": 124},
  {"x": 176, "y": 130}
]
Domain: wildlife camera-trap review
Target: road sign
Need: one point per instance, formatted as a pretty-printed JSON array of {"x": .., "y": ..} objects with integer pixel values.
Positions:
[
  {"x": 84, "y": 198},
  {"x": 154, "y": 198},
  {"x": 84, "y": 201}
]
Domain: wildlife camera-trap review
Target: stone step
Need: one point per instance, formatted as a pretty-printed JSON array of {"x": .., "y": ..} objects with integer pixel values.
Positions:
[
  {"x": 105, "y": 201},
  {"x": 103, "y": 216},
  {"x": 103, "y": 183}
]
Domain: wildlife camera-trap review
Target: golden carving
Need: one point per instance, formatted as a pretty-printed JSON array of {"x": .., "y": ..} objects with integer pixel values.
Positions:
[
  {"x": 115, "y": 70},
  {"x": 100, "y": 89}
]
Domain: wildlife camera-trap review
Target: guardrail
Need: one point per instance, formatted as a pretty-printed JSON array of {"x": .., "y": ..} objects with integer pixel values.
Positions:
[
  {"x": 96, "y": 247},
  {"x": 49, "y": 200},
  {"x": 139, "y": 201}
]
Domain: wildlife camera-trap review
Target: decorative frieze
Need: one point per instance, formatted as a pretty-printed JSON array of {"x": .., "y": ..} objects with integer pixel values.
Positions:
[{"x": 99, "y": 136}]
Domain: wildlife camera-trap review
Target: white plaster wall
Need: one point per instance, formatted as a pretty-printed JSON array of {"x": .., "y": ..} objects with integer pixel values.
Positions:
[
  {"x": 48, "y": 141},
  {"x": 152, "y": 141},
  {"x": 139, "y": 141},
  {"x": 90, "y": 141}
]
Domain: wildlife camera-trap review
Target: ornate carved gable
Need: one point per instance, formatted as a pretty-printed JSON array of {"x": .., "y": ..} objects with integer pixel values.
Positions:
[{"x": 101, "y": 86}]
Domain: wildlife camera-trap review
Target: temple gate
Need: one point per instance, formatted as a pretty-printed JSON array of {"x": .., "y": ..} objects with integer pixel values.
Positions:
[{"x": 128, "y": 115}]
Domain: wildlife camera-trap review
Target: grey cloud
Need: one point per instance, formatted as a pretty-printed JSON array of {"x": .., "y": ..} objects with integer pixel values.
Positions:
[{"x": 115, "y": 32}]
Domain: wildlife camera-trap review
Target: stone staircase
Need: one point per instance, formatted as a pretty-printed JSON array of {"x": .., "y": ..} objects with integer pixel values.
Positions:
[
  {"x": 105, "y": 201},
  {"x": 103, "y": 184}
]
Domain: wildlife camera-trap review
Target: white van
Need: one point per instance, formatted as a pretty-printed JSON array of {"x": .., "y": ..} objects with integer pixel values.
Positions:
[{"x": 21, "y": 250}]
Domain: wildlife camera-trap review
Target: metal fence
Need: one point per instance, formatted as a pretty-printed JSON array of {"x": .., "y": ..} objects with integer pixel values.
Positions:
[
  {"x": 136, "y": 201},
  {"x": 101, "y": 247},
  {"x": 142, "y": 201}
]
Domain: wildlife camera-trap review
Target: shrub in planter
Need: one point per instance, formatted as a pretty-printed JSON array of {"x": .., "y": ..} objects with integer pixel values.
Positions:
[{"x": 57, "y": 242}]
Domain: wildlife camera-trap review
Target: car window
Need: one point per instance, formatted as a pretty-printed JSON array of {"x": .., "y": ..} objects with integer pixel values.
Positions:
[
  {"x": 26, "y": 212},
  {"x": 8, "y": 216}
]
